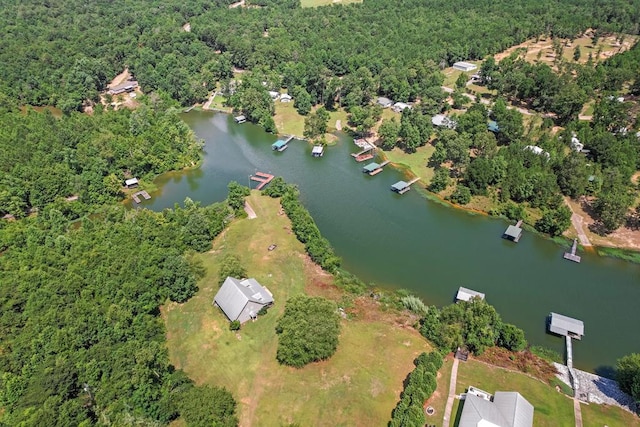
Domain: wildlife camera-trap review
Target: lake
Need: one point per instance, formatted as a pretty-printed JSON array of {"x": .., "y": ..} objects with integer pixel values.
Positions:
[{"x": 418, "y": 244}]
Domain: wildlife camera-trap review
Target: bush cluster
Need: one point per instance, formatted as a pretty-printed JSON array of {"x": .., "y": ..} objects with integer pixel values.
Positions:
[{"x": 420, "y": 385}]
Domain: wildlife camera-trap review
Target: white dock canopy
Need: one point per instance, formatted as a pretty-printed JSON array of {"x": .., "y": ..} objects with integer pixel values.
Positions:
[{"x": 567, "y": 326}]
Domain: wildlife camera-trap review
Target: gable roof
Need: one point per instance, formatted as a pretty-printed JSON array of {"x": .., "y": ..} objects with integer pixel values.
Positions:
[
  {"x": 508, "y": 409},
  {"x": 234, "y": 295}
]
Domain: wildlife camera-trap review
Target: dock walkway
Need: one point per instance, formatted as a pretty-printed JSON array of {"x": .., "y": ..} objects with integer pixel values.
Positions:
[
  {"x": 144, "y": 194},
  {"x": 571, "y": 256},
  {"x": 262, "y": 178}
]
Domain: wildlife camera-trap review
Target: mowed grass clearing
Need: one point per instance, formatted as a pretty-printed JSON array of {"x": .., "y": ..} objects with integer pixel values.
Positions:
[
  {"x": 359, "y": 385},
  {"x": 552, "y": 409},
  {"x": 415, "y": 162},
  {"x": 600, "y": 415}
]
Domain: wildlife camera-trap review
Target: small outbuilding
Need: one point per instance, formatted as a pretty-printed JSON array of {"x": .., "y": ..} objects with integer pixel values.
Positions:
[
  {"x": 464, "y": 66},
  {"x": 493, "y": 127},
  {"x": 465, "y": 294},
  {"x": 384, "y": 102},
  {"x": 285, "y": 97},
  {"x": 317, "y": 150},
  {"x": 242, "y": 299},
  {"x": 131, "y": 183},
  {"x": 274, "y": 95},
  {"x": 567, "y": 326},
  {"x": 399, "y": 107}
]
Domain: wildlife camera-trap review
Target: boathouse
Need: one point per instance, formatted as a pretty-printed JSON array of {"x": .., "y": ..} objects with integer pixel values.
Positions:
[
  {"x": 567, "y": 326},
  {"x": 131, "y": 183},
  {"x": 464, "y": 66},
  {"x": 242, "y": 299},
  {"x": 240, "y": 119},
  {"x": 317, "y": 151},
  {"x": 400, "y": 187},
  {"x": 513, "y": 232},
  {"x": 370, "y": 167},
  {"x": 279, "y": 145},
  {"x": 465, "y": 294}
]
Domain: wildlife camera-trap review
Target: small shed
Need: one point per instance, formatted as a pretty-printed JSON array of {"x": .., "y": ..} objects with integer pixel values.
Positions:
[
  {"x": 513, "y": 232},
  {"x": 285, "y": 97},
  {"x": 465, "y": 294},
  {"x": 131, "y": 183},
  {"x": 398, "y": 107},
  {"x": 317, "y": 151},
  {"x": 384, "y": 102},
  {"x": 567, "y": 326},
  {"x": 464, "y": 66},
  {"x": 370, "y": 167},
  {"x": 240, "y": 119},
  {"x": 242, "y": 299},
  {"x": 274, "y": 95}
]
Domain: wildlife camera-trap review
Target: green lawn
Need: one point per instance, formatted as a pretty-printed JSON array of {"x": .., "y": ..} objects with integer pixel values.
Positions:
[
  {"x": 288, "y": 121},
  {"x": 600, "y": 415},
  {"x": 316, "y": 3},
  {"x": 552, "y": 409},
  {"x": 416, "y": 162},
  {"x": 359, "y": 385}
]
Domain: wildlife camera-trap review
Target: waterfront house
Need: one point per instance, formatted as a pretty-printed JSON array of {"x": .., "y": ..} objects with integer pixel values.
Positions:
[
  {"x": 242, "y": 299},
  {"x": 503, "y": 409},
  {"x": 493, "y": 127},
  {"x": 399, "y": 107},
  {"x": 566, "y": 326},
  {"x": 274, "y": 95}
]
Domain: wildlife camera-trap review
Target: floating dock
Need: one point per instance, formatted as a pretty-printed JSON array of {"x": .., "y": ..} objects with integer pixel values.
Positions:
[
  {"x": 374, "y": 168},
  {"x": 262, "y": 178},
  {"x": 513, "y": 232},
  {"x": 571, "y": 256},
  {"x": 144, "y": 194},
  {"x": 402, "y": 187}
]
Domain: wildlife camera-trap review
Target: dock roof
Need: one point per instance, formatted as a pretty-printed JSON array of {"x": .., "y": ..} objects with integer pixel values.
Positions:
[
  {"x": 513, "y": 231},
  {"x": 400, "y": 185},
  {"x": 279, "y": 143},
  {"x": 317, "y": 149},
  {"x": 465, "y": 294},
  {"x": 371, "y": 167},
  {"x": 561, "y": 323}
]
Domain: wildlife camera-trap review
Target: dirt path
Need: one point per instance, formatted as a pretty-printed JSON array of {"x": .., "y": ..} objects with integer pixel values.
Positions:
[
  {"x": 338, "y": 125},
  {"x": 237, "y": 4},
  {"x": 576, "y": 221},
  {"x": 207, "y": 104},
  {"x": 249, "y": 210},
  {"x": 577, "y": 412},
  {"x": 452, "y": 393}
]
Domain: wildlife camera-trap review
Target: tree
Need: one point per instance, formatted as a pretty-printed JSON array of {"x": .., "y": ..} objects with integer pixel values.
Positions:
[
  {"x": 301, "y": 100},
  {"x": 236, "y": 195},
  {"x": 388, "y": 133},
  {"x": 461, "y": 195},
  {"x": 511, "y": 337},
  {"x": 307, "y": 331},
  {"x": 440, "y": 180},
  {"x": 628, "y": 374},
  {"x": 611, "y": 207},
  {"x": 315, "y": 125},
  {"x": 207, "y": 406},
  {"x": 554, "y": 221},
  {"x": 461, "y": 81},
  {"x": 577, "y": 53},
  {"x": 231, "y": 266}
]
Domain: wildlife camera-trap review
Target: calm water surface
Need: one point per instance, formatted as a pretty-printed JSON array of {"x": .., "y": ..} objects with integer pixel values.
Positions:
[{"x": 414, "y": 243}]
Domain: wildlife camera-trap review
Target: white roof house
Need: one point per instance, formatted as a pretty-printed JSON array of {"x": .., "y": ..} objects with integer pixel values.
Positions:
[
  {"x": 400, "y": 106},
  {"x": 133, "y": 182},
  {"x": 576, "y": 145},
  {"x": 536, "y": 150},
  {"x": 465, "y": 294},
  {"x": 504, "y": 409},
  {"x": 274, "y": 95},
  {"x": 567, "y": 326},
  {"x": 285, "y": 97},
  {"x": 464, "y": 66},
  {"x": 242, "y": 299},
  {"x": 441, "y": 120}
]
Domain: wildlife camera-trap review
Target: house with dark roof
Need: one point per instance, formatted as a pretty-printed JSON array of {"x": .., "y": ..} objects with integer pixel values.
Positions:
[
  {"x": 242, "y": 299},
  {"x": 504, "y": 409}
]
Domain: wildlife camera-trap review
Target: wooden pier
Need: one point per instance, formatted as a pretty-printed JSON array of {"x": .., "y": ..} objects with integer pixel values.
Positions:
[
  {"x": 262, "y": 178},
  {"x": 571, "y": 256},
  {"x": 366, "y": 154},
  {"x": 144, "y": 194},
  {"x": 402, "y": 187},
  {"x": 374, "y": 168}
]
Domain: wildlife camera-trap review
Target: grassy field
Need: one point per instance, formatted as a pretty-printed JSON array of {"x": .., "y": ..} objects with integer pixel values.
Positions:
[
  {"x": 288, "y": 121},
  {"x": 316, "y": 3},
  {"x": 359, "y": 385},
  {"x": 417, "y": 161},
  {"x": 552, "y": 409},
  {"x": 601, "y": 415}
]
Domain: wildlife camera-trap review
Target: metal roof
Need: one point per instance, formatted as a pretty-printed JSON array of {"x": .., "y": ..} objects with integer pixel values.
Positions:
[
  {"x": 465, "y": 65},
  {"x": 493, "y": 127},
  {"x": 399, "y": 185},
  {"x": 558, "y": 321},
  {"x": 317, "y": 149},
  {"x": 234, "y": 295},
  {"x": 508, "y": 409},
  {"x": 465, "y": 294},
  {"x": 371, "y": 167},
  {"x": 279, "y": 143},
  {"x": 442, "y": 120},
  {"x": 384, "y": 101},
  {"x": 131, "y": 181},
  {"x": 513, "y": 231}
]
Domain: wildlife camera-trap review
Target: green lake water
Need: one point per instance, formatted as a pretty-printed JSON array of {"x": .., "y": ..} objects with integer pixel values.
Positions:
[{"x": 414, "y": 243}]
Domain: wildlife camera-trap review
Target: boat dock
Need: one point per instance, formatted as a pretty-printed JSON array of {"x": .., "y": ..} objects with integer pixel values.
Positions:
[
  {"x": 571, "y": 256},
  {"x": 374, "y": 168},
  {"x": 262, "y": 178},
  {"x": 366, "y": 154},
  {"x": 513, "y": 232},
  {"x": 144, "y": 194},
  {"x": 402, "y": 187}
]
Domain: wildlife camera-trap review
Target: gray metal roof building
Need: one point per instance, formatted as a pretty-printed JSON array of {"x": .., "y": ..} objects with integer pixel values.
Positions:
[
  {"x": 465, "y": 294},
  {"x": 513, "y": 233},
  {"x": 506, "y": 409},
  {"x": 567, "y": 326},
  {"x": 242, "y": 299}
]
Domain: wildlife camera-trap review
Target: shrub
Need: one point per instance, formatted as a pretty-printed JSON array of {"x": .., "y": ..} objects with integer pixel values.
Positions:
[
  {"x": 234, "y": 325},
  {"x": 307, "y": 331},
  {"x": 414, "y": 304},
  {"x": 231, "y": 266},
  {"x": 461, "y": 196}
]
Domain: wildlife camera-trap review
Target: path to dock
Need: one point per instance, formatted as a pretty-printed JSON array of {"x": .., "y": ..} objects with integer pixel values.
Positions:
[
  {"x": 413, "y": 181},
  {"x": 577, "y": 221},
  {"x": 452, "y": 393},
  {"x": 207, "y": 104},
  {"x": 249, "y": 210},
  {"x": 338, "y": 124},
  {"x": 577, "y": 412}
]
